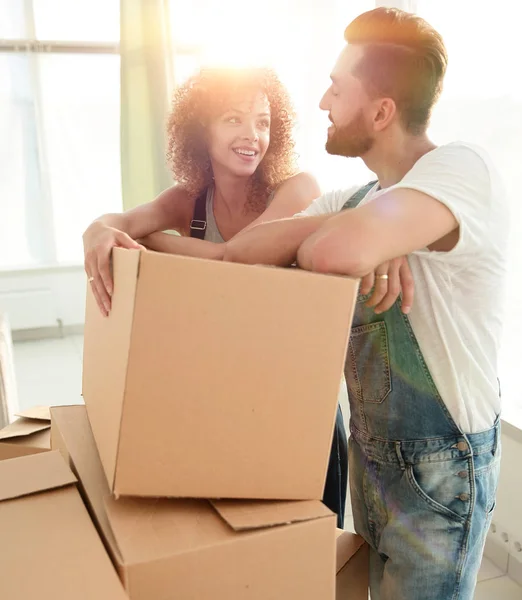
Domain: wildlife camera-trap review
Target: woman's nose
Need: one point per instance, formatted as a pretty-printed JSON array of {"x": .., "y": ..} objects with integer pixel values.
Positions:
[{"x": 250, "y": 132}]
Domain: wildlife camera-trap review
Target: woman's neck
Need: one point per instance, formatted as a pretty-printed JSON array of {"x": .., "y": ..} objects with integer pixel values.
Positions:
[{"x": 231, "y": 193}]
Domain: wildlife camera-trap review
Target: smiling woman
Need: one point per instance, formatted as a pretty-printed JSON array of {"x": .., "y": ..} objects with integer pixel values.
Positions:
[
  {"x": 232, "y": 122},
  {"x": 231, "y": 152}
]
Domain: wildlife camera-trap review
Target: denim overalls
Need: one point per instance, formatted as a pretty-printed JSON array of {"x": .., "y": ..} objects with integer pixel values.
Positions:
[{"x": 422, "y": 491}]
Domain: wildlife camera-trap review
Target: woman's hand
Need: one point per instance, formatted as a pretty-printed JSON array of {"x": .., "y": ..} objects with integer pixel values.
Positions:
[
  {"x": 389, "y": 281},
  {"x": 98, "y": 242}
]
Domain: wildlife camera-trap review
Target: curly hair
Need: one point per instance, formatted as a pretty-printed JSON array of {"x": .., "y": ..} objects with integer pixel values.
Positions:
[{"x": 209, "y": 94}]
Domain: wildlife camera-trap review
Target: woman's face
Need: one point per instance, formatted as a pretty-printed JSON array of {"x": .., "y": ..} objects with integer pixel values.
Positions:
[{"x": 238, "y": 139}]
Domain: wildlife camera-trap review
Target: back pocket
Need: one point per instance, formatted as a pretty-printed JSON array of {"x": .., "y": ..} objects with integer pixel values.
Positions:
[{"x": 367, "y": 369}]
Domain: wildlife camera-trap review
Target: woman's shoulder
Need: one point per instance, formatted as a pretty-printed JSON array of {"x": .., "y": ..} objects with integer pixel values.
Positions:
[
  {"x": 302, "y": 181},
  {"x": 292, "y": 196},
  {"x": 299, "y": 189},
  {"x": 178, "y": 203}
]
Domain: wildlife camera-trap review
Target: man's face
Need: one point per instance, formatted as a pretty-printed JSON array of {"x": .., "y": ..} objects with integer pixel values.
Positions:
[{"x": 348, "y": 106}]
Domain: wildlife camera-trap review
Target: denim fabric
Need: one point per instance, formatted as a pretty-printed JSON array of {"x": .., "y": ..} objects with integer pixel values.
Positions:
[{"x": 422, "y": 491}]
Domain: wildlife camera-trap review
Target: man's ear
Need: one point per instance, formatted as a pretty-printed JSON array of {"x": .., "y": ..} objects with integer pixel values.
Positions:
[{"x": 384, "y": 113}]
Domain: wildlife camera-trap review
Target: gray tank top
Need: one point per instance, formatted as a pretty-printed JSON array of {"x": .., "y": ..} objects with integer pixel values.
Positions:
[{"x": 212, "y": 233}]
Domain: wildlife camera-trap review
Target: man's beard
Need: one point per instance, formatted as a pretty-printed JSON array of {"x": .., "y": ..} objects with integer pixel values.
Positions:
[{"x": 352, "y": 140}]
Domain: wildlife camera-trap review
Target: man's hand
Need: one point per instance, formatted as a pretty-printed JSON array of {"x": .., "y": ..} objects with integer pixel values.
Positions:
[
  {"x": 98, "y": 242},
  {"x": 386, "y": 290}
]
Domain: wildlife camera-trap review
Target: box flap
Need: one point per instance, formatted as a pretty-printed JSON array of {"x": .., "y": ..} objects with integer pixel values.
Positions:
[
  {"x": 105, "y": 357},
  {"x": 23, "y": 427},
  {"x": 42, "y": 413},
  {"x": 348, "y": 544},
  {"x": 243, "y": 515},
  {"x": 72, "y": 435},
  {"x": 31, "y": 474}
]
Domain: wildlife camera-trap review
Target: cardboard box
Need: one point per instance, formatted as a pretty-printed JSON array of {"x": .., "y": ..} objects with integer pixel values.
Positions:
[
  {"x": 30, "y": 434},
  {"x": 49, "y": 547},
  {"x": 215, "y": 380},
  {"x": 352, "y": 580},
  {"x": 192, "y": 549}
]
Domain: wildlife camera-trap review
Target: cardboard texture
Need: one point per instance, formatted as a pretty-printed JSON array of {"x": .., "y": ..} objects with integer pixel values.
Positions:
[
  {"x": 186, "y": 549},
  {"x": 352, "y": 580},
  {"x": 49, "y": 547},
  {"x": 208, "y": 378},
  {"x": 30, "y": 434}
]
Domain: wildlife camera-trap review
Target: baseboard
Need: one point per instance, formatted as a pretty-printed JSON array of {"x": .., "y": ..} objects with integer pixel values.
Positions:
[{"x": 42, "y": 333}]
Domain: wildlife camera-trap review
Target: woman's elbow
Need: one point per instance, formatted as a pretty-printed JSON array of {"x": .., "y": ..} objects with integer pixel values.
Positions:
[{"x": 232, "y": 252}]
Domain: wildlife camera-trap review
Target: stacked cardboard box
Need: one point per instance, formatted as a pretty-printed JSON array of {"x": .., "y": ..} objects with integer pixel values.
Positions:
[
  {"x": 211, "y": 393},
  {"x": 29, "y": 434},
  {"x": 49, "y": 547},
  {"x": 213, "y": 380},
  {"x": 216, "y": 380},
  {"x": 201, "y": 549}
]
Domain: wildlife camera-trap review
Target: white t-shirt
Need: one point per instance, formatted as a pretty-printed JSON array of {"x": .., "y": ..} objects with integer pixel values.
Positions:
[{"x": 459, "y": 295}]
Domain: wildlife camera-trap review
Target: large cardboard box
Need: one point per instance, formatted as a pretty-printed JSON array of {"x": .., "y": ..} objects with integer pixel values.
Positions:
[
  {"x": 215, "y": 380},
  {"x": 352, "y": 581},
  {"x": 29, "y": 434},
  {"x": 192, "y": 549},
  {"x": 49, "y": 548}
]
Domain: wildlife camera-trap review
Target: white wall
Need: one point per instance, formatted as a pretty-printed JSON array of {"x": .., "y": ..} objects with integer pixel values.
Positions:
[
  {"x": 509, "y": 499},
  {"x": 507, "y": 518},
  {"x": 44, "y": 297}
]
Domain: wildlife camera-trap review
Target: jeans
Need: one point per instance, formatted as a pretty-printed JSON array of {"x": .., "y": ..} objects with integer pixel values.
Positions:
[{"x": 425, "y": 507}]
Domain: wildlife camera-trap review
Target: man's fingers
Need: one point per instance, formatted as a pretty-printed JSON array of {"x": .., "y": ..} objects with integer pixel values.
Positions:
[
  {"x": 380, "y": 287},
  {"x": 367, "y": 284},
  {"x": 394, "y": 288},
  {"x": 407, "y": 286}
]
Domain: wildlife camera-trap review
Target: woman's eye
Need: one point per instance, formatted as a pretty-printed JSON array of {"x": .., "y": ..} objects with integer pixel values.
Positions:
[
  {"x": 232, "y": 120},
  {"x": 265, "y": 123}
]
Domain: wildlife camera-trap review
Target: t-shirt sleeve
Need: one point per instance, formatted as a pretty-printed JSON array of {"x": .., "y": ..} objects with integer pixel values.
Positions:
[
  {"x": 459, "y": 177},
  {"x": 329, "y": 203}
]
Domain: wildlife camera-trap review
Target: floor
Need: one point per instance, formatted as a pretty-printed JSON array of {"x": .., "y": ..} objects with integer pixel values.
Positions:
[{"x": 49, "y": 373}]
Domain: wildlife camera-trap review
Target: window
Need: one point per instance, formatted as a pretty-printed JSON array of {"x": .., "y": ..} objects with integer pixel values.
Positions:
[
  {"x": 59, "y": 126},
  {"x": 297, "y": 38},
  {"x": 482, "y": 103}
]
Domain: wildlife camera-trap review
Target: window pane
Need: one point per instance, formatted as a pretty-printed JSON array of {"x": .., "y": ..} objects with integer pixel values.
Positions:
[
  {"x": 77, "y": 20},
  {"x": 12, "y": 20},
  {"x": 80, "y": 118},
  {"x": 24, "y": 238},
  {"x": 185, "y": 65},
  {"x": 482, "y": 103}
]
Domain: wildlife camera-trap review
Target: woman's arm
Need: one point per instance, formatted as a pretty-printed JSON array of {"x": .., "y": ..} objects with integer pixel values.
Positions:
[
  {"x": 185, "y": 246},
  {"x": 291, "y": 197},
  {"x": 168, "y": 211}
]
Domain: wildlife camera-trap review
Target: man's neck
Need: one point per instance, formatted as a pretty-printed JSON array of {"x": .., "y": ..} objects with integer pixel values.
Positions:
[{"x": 391, "y": 159}]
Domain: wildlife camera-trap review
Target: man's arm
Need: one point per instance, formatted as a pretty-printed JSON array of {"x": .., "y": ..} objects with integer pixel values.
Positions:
[
  {"x": 394, "y": 224},
  {"x": 272, "y": 243}
]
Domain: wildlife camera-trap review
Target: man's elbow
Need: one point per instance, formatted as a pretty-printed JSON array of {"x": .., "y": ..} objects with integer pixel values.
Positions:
[{"x": 324, "y": 257}]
